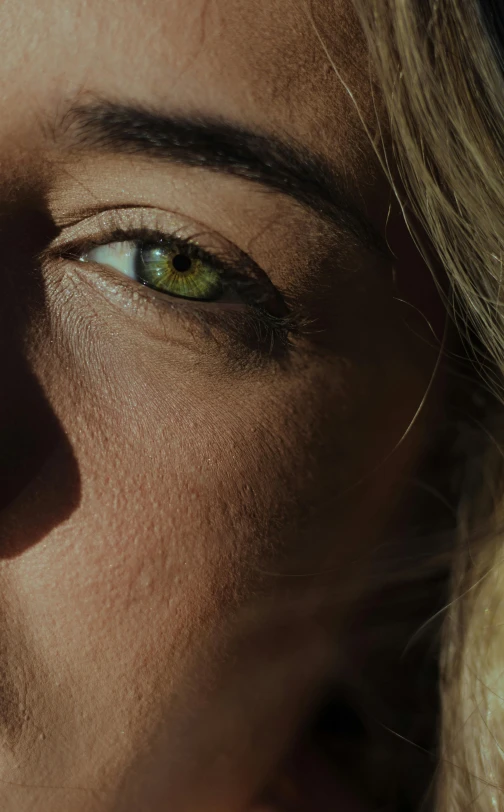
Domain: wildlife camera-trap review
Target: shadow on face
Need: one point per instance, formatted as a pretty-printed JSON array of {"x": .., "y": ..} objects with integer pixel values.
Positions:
[{"x": 39, "y": 475}]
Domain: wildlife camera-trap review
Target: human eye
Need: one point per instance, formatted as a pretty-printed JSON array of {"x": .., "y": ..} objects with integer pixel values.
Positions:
[
  {"x": 163, "y": 271},
  {"x": 180, "y": 268},
  {"x": 177, "y": 268},
  {"x": 172, "y": 256}
]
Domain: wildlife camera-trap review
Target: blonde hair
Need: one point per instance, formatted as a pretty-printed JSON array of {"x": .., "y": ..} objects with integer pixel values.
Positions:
[{"x": 440, "y": 65}]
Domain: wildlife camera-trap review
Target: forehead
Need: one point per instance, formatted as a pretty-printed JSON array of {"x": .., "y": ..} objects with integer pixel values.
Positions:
[{"x": 259, "y": 63}]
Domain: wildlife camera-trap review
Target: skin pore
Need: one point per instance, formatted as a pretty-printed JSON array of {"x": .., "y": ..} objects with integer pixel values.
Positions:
[{"x": 176, "y": 474}]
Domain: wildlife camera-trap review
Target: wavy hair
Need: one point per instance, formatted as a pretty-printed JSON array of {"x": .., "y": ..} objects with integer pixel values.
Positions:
[{"x": 440, "y": 65}]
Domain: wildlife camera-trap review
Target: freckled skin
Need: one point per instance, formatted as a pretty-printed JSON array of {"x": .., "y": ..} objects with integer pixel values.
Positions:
[{"x": 161, "y": 484}]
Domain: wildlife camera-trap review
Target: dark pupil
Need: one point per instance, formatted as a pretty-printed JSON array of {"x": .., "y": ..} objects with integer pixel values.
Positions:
[{"x": 181, "y": 263}]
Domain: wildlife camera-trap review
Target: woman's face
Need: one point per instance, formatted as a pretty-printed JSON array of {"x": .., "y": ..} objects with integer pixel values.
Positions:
[{"x": 180, "y": 465}]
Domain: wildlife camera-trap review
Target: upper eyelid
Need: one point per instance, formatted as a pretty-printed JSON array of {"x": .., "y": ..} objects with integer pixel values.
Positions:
[
  {"x": 129, "y": 219},
  {"x": 112, "y": 217}
]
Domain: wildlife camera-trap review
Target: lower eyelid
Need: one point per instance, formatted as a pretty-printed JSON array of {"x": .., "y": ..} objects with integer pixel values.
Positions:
[
  {"x": 115, "y": 286},
  {"x": 118, "y": 255},
  {"x": 239, "y": 333},
  {"x": 147, "y": 309}
]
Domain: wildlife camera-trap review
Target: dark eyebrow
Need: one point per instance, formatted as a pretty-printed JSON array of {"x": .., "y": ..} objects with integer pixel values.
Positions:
[{"x": 218, "y": 145}]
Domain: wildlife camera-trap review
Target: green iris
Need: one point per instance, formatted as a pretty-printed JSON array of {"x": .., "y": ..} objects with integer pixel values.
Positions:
[{"x": 174, "y": 271}]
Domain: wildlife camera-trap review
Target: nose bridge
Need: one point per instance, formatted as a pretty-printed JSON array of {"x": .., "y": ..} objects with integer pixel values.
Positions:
[
  {"x": 26, "y": 229},
  {"x": 39, "y": 479},
  {"x": 24, "y": 169}
]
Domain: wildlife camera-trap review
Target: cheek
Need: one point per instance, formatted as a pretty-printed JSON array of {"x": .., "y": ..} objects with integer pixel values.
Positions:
[
  {"x": 194, "y": 477},
  {"x": 191, "y": 488},
  {"x": 199, "y": 486}
]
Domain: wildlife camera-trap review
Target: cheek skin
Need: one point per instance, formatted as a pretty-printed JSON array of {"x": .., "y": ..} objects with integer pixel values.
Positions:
[{"x": 165, "y": 644}]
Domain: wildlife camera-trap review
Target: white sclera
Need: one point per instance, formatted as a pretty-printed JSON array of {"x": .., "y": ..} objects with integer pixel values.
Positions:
[{"x": 122, "y": 256}]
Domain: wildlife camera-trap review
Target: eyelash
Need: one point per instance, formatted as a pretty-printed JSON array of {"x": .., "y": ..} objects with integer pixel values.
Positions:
[{"x": 272, "y": 329}]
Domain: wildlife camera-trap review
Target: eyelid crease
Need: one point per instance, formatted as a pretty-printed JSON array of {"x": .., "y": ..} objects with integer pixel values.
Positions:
[{"x": 101, "y": 223}]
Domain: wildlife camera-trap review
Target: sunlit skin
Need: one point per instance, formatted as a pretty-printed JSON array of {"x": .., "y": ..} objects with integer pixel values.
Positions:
[{"x": 169, "y": 473}]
